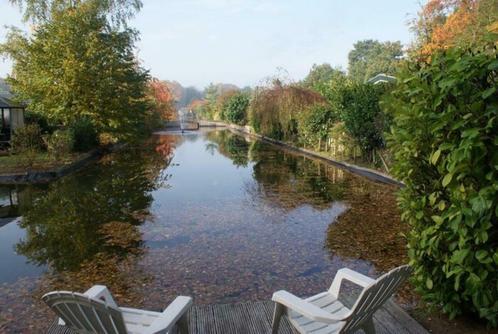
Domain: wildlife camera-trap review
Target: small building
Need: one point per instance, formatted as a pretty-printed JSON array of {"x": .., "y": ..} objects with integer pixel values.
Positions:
[
  {"x": 11, "y": 113},
  {"x": 381, "y": 78}
]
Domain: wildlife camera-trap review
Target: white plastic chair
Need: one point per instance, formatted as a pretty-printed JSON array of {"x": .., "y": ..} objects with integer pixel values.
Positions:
[
  {"x": 325, "y": 314},
  {"x": 95, "y": 311}
]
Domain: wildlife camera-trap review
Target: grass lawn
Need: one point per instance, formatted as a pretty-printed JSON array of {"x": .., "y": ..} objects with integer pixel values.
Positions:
[{"x": 37, "y": 162}]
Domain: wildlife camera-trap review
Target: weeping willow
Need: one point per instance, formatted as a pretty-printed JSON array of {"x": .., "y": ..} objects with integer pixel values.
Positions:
[{"x": 274, "y": 110}]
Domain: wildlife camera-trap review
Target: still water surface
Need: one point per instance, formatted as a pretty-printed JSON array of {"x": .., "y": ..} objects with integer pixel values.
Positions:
[{"x": 209, "y": 214}]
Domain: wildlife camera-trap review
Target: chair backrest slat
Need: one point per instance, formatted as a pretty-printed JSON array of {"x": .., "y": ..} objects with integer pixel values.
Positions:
[
  {"x": 87, "y": 321},
  {"x": 86, "y": 314},
  {"x": 101, "y": 325},
  {"x": 75, "y": 310},
  {"x": 374, "y": 296},
  {"x": 66, "y": 315},
  {"x": 107, "y": 322}
]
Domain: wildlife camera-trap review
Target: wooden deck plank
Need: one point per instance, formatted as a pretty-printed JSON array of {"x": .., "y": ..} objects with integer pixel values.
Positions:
[
  {"x": 256, "y": 317},
  {"x": 285, "y": 326},
  {"x": 404, "y": 318},
  {"x": 386, "y": 323},
  {"x": 225, "y": 322},
  {"x": 192, "y": 316}
]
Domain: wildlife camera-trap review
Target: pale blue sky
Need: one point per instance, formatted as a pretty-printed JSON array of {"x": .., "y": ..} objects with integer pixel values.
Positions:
[{"x": 243, "y": 41}]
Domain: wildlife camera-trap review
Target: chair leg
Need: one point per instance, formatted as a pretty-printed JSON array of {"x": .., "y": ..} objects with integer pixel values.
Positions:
[
  {"x": 368, "y": 326},
  {"x": 183, "y": 324},
  {"x": 277, "y": 315}
]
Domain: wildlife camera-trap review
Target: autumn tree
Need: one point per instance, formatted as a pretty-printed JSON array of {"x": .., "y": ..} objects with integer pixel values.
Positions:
[
  {"x": 371, "y": 57},
  {"x": 442, "y": 24},
  {"x": 162, "y": 99},
  {"x": 78, "y": 66}
]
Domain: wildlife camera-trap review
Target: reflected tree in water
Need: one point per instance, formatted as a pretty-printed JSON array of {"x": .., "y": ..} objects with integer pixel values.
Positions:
[
  {"x": 283, "y": 179},
  {"x": 230, "y": 145},
  {"x": 70, "y": 223},
  {"x": 288, "y": 180},
  {"x": 165, "y": 145}
]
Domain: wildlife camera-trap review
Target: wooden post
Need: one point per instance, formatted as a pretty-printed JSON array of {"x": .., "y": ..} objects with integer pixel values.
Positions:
[{"x": 383, "y": 162}]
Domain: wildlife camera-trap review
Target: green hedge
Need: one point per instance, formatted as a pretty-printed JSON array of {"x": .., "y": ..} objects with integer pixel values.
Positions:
[
  {"x": 445, "y": 144},
  {"x": 84, "y": 134},
  {"x": 235, "y": 109},
  {"x": 314, "y": 124},
  {"x": 362, "y": 116}
]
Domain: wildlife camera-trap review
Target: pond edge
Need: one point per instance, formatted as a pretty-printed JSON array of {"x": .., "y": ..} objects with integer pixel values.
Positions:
[
  {"x": 362, "y": 171},
  {"x": 46, "y": 176}
]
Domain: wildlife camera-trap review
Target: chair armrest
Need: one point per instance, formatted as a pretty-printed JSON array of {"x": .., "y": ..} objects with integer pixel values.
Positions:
[
  {"x": 170, "y": 315},
  {"x": 304, "y": 307},
  {"x": 102, "y": 293},
  {"x": 350, "y": 275}
]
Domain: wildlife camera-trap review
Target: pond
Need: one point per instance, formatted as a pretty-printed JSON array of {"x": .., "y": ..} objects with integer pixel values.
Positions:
[{"x": 210, "y": 214}]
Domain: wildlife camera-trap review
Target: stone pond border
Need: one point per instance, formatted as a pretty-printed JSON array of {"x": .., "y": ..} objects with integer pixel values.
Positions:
[{"x": 363, "y": 171}]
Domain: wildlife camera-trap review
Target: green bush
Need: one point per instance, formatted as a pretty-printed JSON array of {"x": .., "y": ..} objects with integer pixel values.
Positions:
[
  {"x": 235, "y": 109},
  {"x": 36, "y": 118},
  {"x": 362, "y": 116},
  {"x": 27, "y": 139},
  {"x": 315, "y": 124},
  {"x": 59, "y": 143},
  {"x": 84, "y": 134},
  {"x": 445, "y": 146}
]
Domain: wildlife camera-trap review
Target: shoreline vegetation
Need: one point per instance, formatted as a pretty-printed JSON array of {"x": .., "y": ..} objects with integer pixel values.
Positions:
[
  {"x": 432, "y": 126},
  {"x": 369, "y": 173}
]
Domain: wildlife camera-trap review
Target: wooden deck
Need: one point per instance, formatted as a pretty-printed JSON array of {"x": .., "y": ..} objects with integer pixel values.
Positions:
[{"x": 255, "y": 318}]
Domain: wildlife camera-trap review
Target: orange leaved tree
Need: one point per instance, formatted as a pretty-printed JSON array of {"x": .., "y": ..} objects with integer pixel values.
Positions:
[
  {"x": 443, "y": 24},
  {"x": 162, "y": 99}
]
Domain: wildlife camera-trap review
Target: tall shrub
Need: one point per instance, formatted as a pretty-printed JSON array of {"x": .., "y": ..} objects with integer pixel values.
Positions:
[
  {"x": 235, "y": 109},
  {"x": 314, "y": 124},
  {"x": 217, "y": 107},
  {"x": 84, "y": 134},
  {"x": 274, "y": 110},
  {"x": 59, "y": 144},
  {"x": 362, "y": 116},
  {"x": 445, "y": 145}
]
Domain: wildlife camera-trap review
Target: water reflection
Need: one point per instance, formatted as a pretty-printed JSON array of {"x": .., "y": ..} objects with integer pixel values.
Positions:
[
  {"x": 230, "y": 145},
  {"x": 74, "y": 218},
  {"x": 209, "y": 214},
  {"x": 283, "y": 179}
]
